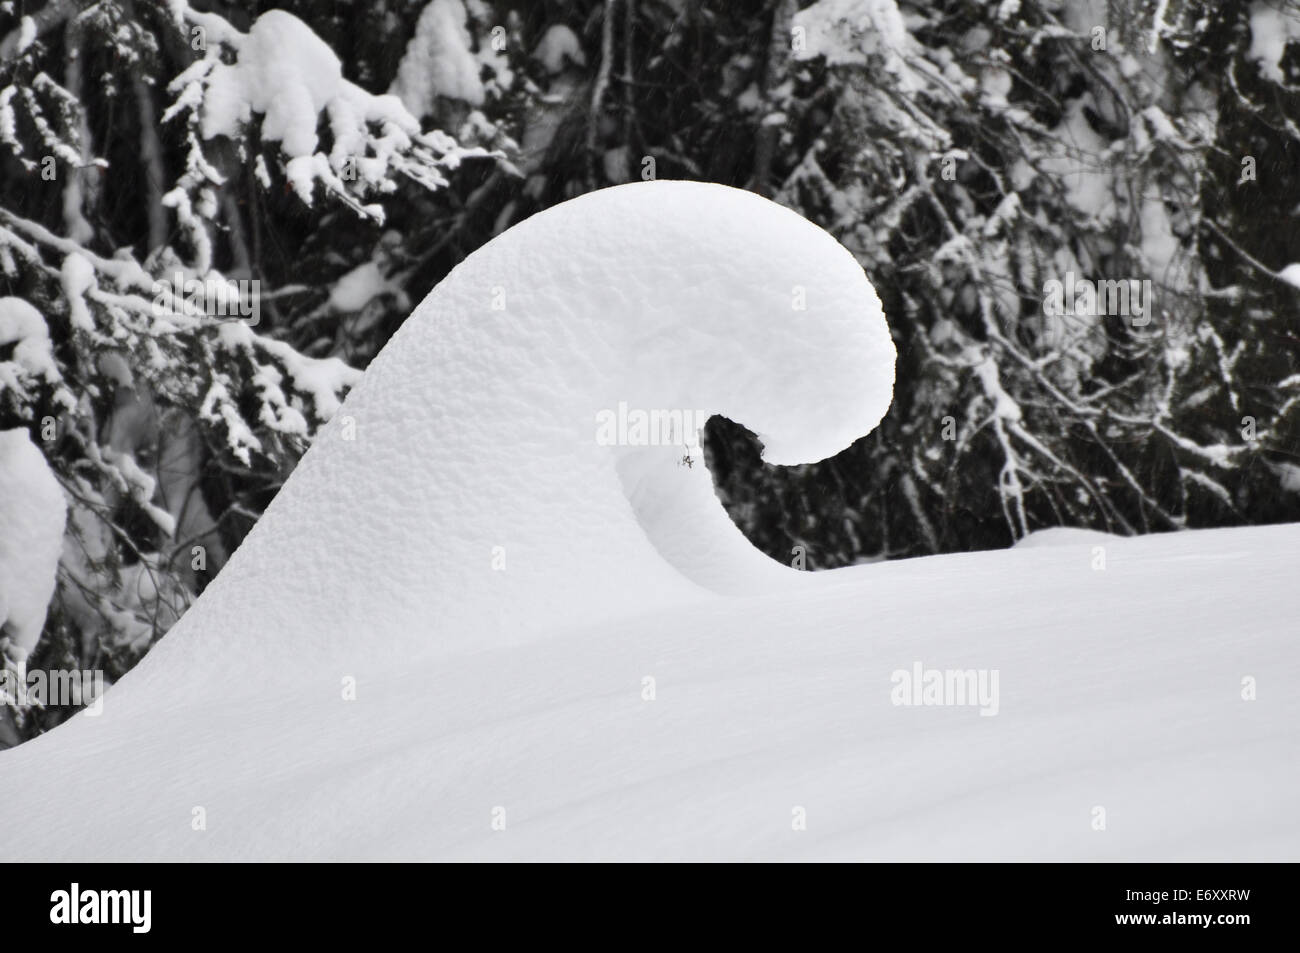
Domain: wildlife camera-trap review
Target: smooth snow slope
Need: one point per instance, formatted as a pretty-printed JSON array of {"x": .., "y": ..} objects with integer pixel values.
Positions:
[{"x": 519, "y": 697}]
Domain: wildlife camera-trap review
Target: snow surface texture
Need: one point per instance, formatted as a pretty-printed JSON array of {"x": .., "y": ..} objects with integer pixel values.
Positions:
[
  {"x": 32, "y": 515},
  {"x": 506, "y": 712}
]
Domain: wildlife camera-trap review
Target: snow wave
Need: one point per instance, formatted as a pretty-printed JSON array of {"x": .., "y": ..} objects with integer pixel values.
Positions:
[
  {"x": 465, "y": 503},
  {"x": 469, "y": 493}
]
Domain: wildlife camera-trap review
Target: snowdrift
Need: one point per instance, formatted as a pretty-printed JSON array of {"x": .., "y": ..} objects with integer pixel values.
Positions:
[
  {"x": 473, "y": 625},
  {"x": 32, "y": 513}
]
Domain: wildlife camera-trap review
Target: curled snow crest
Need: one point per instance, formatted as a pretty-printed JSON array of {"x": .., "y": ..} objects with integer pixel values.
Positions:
[{"x": 524, "y": 452}]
